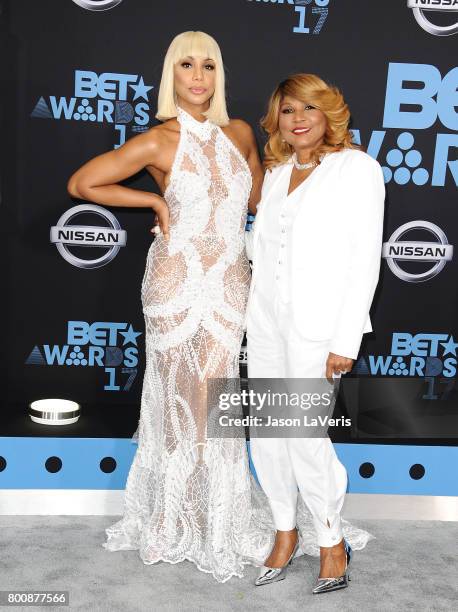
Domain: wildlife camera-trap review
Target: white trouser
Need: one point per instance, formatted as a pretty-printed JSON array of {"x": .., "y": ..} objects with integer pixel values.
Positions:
[{"x": 275, "y": 349}]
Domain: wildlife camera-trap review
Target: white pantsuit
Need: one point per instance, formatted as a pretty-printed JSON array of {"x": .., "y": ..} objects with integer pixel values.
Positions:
[{"x": 316, "y": 259}]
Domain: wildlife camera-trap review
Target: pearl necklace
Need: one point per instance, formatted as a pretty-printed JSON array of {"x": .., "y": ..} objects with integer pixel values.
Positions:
[{"x": 302, "y": 166}]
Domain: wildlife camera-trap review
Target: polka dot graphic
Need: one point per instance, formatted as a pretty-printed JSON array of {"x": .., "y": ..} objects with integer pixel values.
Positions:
[
  {"x": 387, "y": 174},
  {"x": 367, "y": 470},
  {"x": 420, "y": 176},
  {"x": 398, "y": 368},
  {"x": 85, "y": 112},
  {"x": 417, "y": 471},
  {"x": 405, "y": 140},
  {"x": 411, "y": 158},
  {"x": 394, "y": 157},
  {"x": 402, "y": 176},
  {"x": 76, "y": 357}
]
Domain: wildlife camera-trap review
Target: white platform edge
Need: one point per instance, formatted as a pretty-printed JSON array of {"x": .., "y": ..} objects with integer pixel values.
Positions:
[{"x": 110, "y": 502}]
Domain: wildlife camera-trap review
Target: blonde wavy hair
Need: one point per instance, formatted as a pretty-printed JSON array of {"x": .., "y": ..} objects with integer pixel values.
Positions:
[
  {"x": 192, "y": 43},
  {"x": 312, "y": 90}
]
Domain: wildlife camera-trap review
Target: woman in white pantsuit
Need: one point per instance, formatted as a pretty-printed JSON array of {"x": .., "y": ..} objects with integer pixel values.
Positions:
[{"x": 315, "y": 247}]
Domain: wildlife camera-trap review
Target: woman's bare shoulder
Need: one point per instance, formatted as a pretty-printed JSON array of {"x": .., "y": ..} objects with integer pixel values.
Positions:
[
  {"x": 241, "y": 127},
  {"x": 163, "y": 133},
  {"x": 242, "y": 133},
  {"x": 155, "y": 143}
]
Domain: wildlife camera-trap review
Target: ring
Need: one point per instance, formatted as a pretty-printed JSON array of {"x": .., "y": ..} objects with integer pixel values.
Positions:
[{"x": 156, "y": 229}]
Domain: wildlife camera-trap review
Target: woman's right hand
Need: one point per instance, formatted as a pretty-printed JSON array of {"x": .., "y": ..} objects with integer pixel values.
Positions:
[{"x": 162, "y": 217}]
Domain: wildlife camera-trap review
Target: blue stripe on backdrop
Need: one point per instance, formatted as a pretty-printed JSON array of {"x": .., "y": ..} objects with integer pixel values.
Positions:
[{"x": 23, "y": 465}]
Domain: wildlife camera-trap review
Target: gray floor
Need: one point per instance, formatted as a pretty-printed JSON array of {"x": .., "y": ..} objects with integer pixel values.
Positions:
[{"x": 412, "y": 565}]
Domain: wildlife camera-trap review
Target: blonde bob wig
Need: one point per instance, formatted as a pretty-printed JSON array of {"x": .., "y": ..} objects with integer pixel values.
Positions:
[
  {"x": 192, "y": 44},
  {"x": 310, "y": 89}
]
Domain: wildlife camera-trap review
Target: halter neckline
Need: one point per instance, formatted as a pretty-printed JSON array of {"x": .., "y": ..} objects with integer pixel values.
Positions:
[{"x": 202, "y": 129}]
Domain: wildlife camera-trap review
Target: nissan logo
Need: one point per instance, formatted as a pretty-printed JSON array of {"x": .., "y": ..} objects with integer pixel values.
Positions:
[
  {"x": 398, "y": 249},
  {"x": 63, "y": 235},
  {"x": 421, "y": 8}
]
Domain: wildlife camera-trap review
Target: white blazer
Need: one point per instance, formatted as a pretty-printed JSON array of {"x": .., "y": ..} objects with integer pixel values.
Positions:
[{"x": 336, "y": 248}]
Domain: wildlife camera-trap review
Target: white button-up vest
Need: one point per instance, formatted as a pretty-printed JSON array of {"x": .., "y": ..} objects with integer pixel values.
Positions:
[{"x": 275, "y": 237}]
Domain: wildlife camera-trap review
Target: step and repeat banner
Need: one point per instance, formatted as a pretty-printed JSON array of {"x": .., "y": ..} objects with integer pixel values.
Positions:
[{"x": 81, "y": 77}]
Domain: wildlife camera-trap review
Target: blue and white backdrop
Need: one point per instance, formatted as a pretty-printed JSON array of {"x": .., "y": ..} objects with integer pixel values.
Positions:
[{"x": 81, "y": 77}]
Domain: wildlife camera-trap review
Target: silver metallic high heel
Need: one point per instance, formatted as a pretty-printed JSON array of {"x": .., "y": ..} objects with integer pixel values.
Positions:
[
  {"x": 324, "y": 585},
  {"x": 274, "y": 574}
]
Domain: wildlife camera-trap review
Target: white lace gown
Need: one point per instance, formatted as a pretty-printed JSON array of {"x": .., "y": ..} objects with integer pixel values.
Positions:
[{"x": 189, "y": 497}]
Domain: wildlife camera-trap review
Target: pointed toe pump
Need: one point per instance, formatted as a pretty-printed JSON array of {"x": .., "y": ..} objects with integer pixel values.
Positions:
[
  {"x": 275, "y": 574},
  {"x": 325, "y": 585}
]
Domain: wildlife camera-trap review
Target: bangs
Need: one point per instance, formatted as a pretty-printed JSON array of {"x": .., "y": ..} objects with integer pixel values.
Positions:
[
  {"x": 303, "y": 91},
  {"x": 194, "y": 44}
]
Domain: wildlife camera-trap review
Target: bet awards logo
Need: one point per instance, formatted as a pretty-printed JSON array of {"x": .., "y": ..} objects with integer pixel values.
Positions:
[
  {"x": 422, "y": 10},
  {"x": 110, "y": 97},
  {"x": 418, "y": 355},
  {"x": 97, "y": 5},
  {"x": 106, "y": 344},
  {"x": 418, "y": 97},
  {"x": 435, "y": 253},
  {"x": 110, "y": 239}
]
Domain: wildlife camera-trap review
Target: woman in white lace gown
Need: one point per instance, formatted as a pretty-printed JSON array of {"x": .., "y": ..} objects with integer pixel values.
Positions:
[{"x": 189, "y": 497}]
